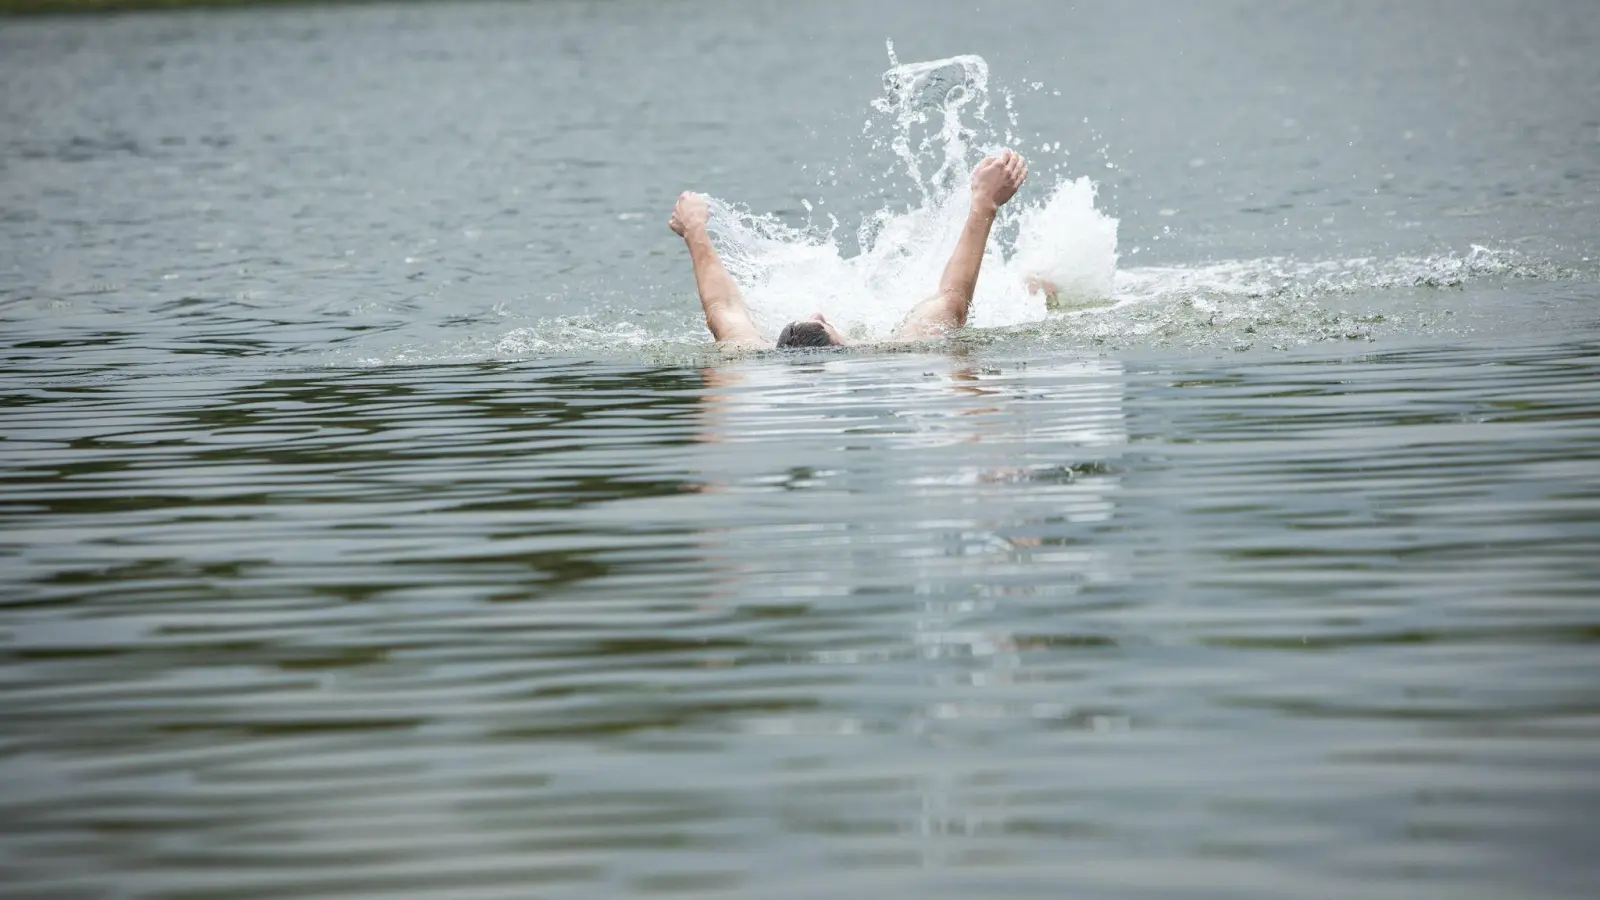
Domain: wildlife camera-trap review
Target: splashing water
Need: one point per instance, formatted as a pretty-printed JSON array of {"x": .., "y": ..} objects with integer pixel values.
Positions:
[
  {"x": 930, "y": 127},
  {"x": 1271, "y": 302},
  {"x": 937, "y": 130}
]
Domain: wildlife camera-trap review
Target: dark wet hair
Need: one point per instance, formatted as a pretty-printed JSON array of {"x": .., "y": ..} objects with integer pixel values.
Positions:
[{"x": 804, "y": 334}]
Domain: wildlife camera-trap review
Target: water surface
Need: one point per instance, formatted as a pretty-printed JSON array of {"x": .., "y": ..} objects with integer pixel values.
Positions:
[{"x": 375, "y": 522}]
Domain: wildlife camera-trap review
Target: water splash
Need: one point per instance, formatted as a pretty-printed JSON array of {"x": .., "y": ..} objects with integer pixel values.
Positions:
[
  {"x": 1052, "y": 247},
  {"x": 930, "y": 127},
  {"x": 1281, "y": 303}
]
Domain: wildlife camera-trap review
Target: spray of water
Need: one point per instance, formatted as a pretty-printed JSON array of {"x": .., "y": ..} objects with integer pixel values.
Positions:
[
  {"x": 1053, "y": 249},
  {"x": 933, "y": 123}
]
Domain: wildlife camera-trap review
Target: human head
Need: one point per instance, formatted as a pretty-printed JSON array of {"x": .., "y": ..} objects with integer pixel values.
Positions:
[{"x": 813, "y": 332}]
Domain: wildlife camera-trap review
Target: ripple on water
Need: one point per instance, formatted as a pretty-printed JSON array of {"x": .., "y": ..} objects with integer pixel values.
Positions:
[{"x": 486, "y": 629}]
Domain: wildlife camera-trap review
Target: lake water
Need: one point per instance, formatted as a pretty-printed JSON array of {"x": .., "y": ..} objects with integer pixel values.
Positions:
[{"x": 376, "y": 522}]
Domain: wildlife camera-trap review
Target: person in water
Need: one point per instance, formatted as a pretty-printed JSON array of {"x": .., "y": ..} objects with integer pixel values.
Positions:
[{"x": 994, "y": 182}]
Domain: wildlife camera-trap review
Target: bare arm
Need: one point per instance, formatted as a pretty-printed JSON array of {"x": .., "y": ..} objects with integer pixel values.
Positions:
[
  {"x": 726, "y": 313},
  {"x": 994, "y": 182}
]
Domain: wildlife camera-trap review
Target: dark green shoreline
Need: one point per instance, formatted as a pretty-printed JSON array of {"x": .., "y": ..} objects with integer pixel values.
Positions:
[{"x": 90, "y": 7}]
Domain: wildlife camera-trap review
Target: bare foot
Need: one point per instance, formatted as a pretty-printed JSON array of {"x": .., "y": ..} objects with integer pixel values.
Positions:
[
  {"x": 690, "y": 214},
  {"x": 996, "y": 180},
  {"x": 1038, "y": 284}
]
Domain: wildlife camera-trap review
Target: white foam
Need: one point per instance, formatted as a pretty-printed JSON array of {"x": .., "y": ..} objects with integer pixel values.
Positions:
[
  {"x": 936, "y": 129},
  {"x": 1069, "y": 243},
  {"x": 1302, "y": 279}
]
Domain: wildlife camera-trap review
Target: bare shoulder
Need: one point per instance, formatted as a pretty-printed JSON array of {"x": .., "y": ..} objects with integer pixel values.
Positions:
[
  {"x": 929, "y": 320},
  {"x": 741, "y": 346}
]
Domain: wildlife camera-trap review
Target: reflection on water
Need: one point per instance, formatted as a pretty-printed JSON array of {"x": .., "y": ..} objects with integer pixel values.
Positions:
[
  {"x": 985, "y": 488},
  {"x": 792, "y": 626}
]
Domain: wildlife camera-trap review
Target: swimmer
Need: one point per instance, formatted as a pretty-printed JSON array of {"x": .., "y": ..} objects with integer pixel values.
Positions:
[{"x": 994, "y": 182}]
